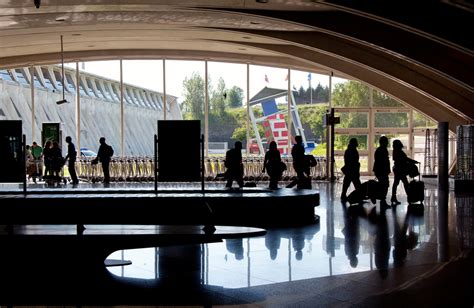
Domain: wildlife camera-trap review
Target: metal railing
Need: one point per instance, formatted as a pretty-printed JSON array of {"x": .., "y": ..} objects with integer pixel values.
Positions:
[{"x": 140, "y": 169}]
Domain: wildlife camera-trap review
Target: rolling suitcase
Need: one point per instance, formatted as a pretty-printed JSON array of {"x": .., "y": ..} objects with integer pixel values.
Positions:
[{"x": 416, "y": 191}]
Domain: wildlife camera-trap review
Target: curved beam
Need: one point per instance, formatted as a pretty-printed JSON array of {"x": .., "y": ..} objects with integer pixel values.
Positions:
[{"x": 448, "y": 91}]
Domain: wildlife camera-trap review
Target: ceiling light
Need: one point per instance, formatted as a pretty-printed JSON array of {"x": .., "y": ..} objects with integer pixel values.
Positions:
[{"x": 62, "y": 18}]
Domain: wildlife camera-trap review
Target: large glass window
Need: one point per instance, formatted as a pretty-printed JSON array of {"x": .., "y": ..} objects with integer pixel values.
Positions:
[
  {"x": 350, "y": 94},
  {"x": 353, "y": 119},
  {"x": 391, "y": 119},
  {"x": 141, "y": 77},
  {"x": 381, "y": 99},
  {"x": 100, "y": 118},
  {"x": 227, "y": 106}
]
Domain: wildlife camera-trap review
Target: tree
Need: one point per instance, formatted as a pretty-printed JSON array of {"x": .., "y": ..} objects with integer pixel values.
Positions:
[
  {"x": 194, "y": 96},
  {"x": 218, "y": 100},
  {"x": 235, "y": 97},
  {"x": 351, "y": 94}
]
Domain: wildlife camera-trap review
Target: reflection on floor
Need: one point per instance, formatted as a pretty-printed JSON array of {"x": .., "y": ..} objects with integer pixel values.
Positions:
[
  {"x": 355, "y": 255},
  {"x": 396, "y": 245}
]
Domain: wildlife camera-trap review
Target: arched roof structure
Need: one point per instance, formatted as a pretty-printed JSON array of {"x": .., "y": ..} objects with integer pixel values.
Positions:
[{"x": 421, "y": 53}]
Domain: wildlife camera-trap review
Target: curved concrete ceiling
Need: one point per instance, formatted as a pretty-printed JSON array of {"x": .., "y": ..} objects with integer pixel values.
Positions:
[{"x": 403, "y": 50}]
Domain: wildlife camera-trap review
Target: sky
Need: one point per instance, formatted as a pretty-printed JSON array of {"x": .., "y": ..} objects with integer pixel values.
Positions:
[{"x": 149, "y": 74}]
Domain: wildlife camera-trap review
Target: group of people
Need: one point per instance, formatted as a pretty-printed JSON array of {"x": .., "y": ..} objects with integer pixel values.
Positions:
[
  {"x": 381, "y": 169},
  {"x": 273, "y": 165},
  {"x": 51, "y": 157}
]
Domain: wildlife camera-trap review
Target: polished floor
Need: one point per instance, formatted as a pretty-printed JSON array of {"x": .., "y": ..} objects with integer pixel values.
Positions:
[{"x": 361, "y": 256}]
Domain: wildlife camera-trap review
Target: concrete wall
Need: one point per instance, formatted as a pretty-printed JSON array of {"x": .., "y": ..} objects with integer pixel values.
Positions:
[{"x": 99, "y": 118}]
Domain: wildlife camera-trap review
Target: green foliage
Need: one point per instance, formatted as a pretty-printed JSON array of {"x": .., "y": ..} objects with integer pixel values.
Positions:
[
  {"x": 313, "y": 115},
  {"x": 350, "y": 94},
  {"x": 235, "y": 97},
  {"x": 193, "y": 104},
  {"x": 320, "y": 150},
  {"x": 381, "y": 99},
  {"x": 218, "y": 102}
]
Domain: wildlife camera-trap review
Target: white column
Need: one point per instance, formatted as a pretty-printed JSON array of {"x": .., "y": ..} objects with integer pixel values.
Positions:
[
  {"x": 248, "y": 109},
  {"x": 206, "y": 111},
  {"x": 164, "y": 89},
  {"x": 370, "y": 137},
  {"x": 32, "y": 87},
  {"x": 78, "y": 111},
  {"x": 289, "y": 111},
  {"x": 122, "y": 137},
  {"x": 328, "y": 137},
  {"x": 411, "y": 138}
]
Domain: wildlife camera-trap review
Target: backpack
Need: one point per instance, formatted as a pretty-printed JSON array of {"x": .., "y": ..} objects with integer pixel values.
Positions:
[{"x": 109, "y": 151}]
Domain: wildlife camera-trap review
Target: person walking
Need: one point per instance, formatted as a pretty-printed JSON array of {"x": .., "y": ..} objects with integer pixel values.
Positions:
[
  {"x": 299, "y": 163},
  {"x": 400, "y": 169},
  {"x": 71, "y": 157},
  {"x": 273, "y": 165},
  {"x": 351, "y": 168},
  {"x": 104, "y": 154},
  {"x": 235, "y": 168},
  {"x": 381, "y": 169}
]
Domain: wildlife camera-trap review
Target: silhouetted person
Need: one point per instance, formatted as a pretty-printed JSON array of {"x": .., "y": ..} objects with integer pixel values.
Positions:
[
  {"x": 382, "y": 169},
  {"x": 351, "y": 168},
  {"x": 351, "y": 233},
  {"x": 47, "y": 158},
  {"x": 57, "y": 160},
  {"x": 236, "y": 247},
  {"x": 273, "y": 165},
  {"x": 104, "y": 154},
  {"x": 235, "y": 168},
  {"x": 272, "y": 242},
  {"x": 30, "y": 163},
  {"x": 400, "y": 169},
  {"x": 299, "y": 163},
  {"x": 37, "y": 152},
  {"x": 71, "y": 157}
]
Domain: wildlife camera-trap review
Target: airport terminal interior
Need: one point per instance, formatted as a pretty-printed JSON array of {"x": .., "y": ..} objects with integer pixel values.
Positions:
[{"x": 171, "y": 86}]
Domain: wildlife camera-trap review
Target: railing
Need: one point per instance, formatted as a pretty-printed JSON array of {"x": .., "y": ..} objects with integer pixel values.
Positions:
[{"x": 140, "y": 169}]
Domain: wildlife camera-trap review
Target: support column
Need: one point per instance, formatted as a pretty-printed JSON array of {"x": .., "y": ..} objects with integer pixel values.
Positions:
[
  {"x": 328, "y": 132},
  {"x": 411, "y": 138},
  {"x": 443, "y": 153},
  {"x": 32, "y": 87},
  {"x": 78, "y": 112},
  {"x": 289, "y": 111},
  {"x": 371, "y": 137},
  {"x": 122, "y": 137},
  {"x": 164, "y": 89},
  {"x": 206, "y": 111},
  {"x": 248, "y": 110}
]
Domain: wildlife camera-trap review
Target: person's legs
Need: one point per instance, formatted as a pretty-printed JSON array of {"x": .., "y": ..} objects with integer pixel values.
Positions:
[
  {"x": 230, "y": 179},
  {"x": 405, "y": 183},
  {"x": 105, "y": 169},
  {"x": 72, "y": 172},
  {"x": 356, "y": 181},
  {"x": 240, "y": 180},
  {"x": 396, "y": 181},
  {"x": 273, "y": 182},
  {"x": 345, "y": 186}
]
